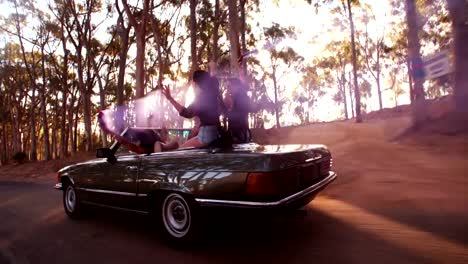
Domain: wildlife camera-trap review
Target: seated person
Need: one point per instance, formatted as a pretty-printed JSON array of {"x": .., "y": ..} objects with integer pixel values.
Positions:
[
  {"x": 150, "y": 140},
  {"x": 163, "y": 143}
]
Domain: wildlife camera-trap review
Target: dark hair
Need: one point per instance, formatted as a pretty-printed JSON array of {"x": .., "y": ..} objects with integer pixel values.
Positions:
[
  {"x": 213, "y": 87},
  {"x": 214, "y": 84},
  {"x": 210, "y": 88},
  {"x": 202, "y": 78}
]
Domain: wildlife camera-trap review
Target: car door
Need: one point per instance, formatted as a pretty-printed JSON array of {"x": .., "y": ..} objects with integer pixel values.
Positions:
[{"x": 113, "y": 184}]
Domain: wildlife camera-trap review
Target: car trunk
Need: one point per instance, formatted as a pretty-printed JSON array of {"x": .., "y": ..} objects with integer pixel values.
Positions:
[
  {"x": 280, "y": 157},
  {"x": 287, "y": 169}
]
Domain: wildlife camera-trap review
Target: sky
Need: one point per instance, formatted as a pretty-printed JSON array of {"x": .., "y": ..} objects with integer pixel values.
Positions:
[{"x": 315, "y": 30}]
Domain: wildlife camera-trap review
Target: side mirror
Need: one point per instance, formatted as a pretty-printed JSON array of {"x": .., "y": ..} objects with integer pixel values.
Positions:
[{"x": 103, "y": 153}]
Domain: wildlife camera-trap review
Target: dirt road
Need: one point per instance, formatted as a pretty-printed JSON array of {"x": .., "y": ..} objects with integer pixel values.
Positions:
[{"x": 394, "y": 202}]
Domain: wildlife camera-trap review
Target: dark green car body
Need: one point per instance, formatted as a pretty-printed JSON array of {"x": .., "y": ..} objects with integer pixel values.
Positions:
[{"x": 211, "y": 176}]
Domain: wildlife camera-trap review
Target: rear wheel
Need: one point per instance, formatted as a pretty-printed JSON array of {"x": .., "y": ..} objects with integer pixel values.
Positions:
[
  {"x": 179, "y": 218},
  {"x": 71, "y": 202}
]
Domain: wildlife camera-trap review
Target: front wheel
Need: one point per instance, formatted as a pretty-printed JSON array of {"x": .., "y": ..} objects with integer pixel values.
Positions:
[
  {"x": 71, "y": 202},
  {"x": 179, "y": 218}
]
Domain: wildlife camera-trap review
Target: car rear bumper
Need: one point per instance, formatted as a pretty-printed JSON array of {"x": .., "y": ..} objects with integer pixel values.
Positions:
[{"x": 296, "y": 200}]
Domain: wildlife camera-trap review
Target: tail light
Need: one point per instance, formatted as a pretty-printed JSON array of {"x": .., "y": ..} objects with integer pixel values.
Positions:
[
  {"x": 325, "y": 166},
  {"x": 272, "y": 183}
]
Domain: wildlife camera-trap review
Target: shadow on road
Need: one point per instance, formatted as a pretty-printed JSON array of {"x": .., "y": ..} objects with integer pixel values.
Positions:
[{"x": 237, "y": 239}]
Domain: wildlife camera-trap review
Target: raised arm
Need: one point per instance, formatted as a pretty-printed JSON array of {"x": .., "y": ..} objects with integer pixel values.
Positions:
[
  {"x": 167, "y": 93},
  {"x": 187, "y": 112}
]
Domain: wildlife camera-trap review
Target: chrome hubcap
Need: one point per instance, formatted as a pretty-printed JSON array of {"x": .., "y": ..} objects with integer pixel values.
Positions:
[
  {"x": 70, "y": 199},
  {"x": 176, "y": 215}
]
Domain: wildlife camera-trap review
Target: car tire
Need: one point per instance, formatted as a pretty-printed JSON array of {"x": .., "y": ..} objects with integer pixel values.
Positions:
[
  {"x": 71, "y": 202},
  {"x": 179, "y": 218}
]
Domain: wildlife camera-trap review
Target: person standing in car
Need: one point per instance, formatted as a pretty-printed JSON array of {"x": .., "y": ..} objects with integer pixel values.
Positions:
[{"x": 205, "y": 106}]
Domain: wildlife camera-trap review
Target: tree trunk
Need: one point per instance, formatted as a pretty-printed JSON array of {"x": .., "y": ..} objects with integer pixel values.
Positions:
[
  {"x": 351, "y": 96},
  {"x": 103, "y": 107},
  {"x": 396, "y": 100},
  {"x": 343, "y": 90},
  {"x": 32, "y": 124},
  {"x": 140, "y": 35},
  {"x": 419, "y": 106},
  {"x": 64, "y": 82},
  {"x": 354, "y": 58},
  {"x": 377, "y": 79},
  {"x": 123, "y": 34},
  {"x": 75, "y": 131},
  {"x": 72, "y": 110},
  {"x": 379, "y": 89},
  {"x": 31, "y": 75},
  {"x": 275, "y": 86},
  {"x": 4, "y": 155},
  {"x": 121, "y": 77},
  {"x": 215, "y": 39},
  {"x": 15, "y": 134},
  {"x": 87, "y": 121},
  {"x": 233, "y": 36},
  {"x": 410, "y": 80},
  {"x": 55, "y": 126},
  {"x": 193, "y": 36},
  {"x": 45, "y": 126},
  {"x": 242, "y": 33},
  {"x": 140, "y": 65},
  {"x": 459, "y": 13},
  {"x": 63, "y": 132},
  {"x": 161, "y": 68},
  {"x": 55, "y": 129},
  {"x": 85, "y": 101},
  {"x": 102, "y": 100},
  {"x": 24, "y": 140}
]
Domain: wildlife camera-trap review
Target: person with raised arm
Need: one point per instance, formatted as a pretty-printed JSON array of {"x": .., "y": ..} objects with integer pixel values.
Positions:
[{"x": 205, "y": 106}]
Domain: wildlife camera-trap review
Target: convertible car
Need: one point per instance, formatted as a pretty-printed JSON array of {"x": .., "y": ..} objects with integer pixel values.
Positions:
[{"x": 176, "y": 186}]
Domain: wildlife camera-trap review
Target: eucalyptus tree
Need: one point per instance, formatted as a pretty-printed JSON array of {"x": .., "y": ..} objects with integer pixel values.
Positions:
[
  {"x": 279, "y": 57},
  {"x": 193, "y": 35},
  {"x": 313, "y": 84},
  {"x": 218, "y": 18},
  {"x": 80, "y": 28},
  {"x": 335, "y": 69},
  {"x": 26, "y": 16},
  {"x": 459, "y": 15},
  {"x": 123, "y": 30},
  {"x": 347, "y": 8},
  {"x": 138, "y": 19},
  {"x": 102, "y": 58},
  {"x": 168, "y": 47},
  {"x": 205, "y": 29},
  {"x": 18, "y": 20},
  {"x": 233, "y": 8},
  {"x": 357, "y": 94},
  {"x": 395, "y": 85},
  {"x": 14, "y": 86},
  {"x": 414, "y": 54},
  {"x": 44, "y": 33},
  {"x": 61, "y": 64},
  {"x": 373, "y": 49}
]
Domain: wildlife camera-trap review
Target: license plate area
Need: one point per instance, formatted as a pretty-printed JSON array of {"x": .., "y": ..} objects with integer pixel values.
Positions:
[{"x": 309, "y": 175}]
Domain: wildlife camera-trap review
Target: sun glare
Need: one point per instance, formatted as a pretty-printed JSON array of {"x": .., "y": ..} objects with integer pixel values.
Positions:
[{"x": 189, "y": 95}]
